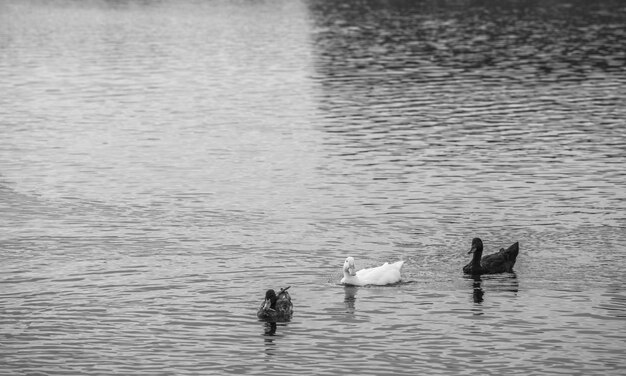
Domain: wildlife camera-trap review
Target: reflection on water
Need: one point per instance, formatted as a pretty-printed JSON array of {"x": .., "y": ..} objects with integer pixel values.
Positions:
[
  {"x": 410, "y": 41},
  {"x": 510, "y": 103},
  {"x": 481, "y": 285},
  {"x": 270, "y": 328},
  {"x": 350, "y": 298},
  {"x": 163, "y": 163},
  {"x": 477, "y": 292},
  {"x": 268, "y": 338}
]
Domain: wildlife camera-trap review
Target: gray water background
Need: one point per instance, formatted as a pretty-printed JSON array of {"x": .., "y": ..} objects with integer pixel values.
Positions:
[{"x": 163, "y": 163}]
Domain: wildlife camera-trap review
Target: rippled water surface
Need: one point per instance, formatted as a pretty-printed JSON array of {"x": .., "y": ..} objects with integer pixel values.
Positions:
[{"x": 163, "y": 163}]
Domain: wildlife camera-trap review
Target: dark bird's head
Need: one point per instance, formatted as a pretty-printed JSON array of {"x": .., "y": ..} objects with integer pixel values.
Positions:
[
  {"x": 477, "y": 246},
  {"x": 270, "y": 299}
]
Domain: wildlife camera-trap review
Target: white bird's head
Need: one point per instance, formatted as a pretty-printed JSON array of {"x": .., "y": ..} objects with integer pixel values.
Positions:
[{"x": 348, "y": 266}]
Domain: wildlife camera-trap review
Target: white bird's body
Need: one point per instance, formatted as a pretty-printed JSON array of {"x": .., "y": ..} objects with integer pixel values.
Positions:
[{"x": 381, "y": 275}]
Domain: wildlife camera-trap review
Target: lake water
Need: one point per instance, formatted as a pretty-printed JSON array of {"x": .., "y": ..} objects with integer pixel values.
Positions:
[{"x": 163, "y": 163}]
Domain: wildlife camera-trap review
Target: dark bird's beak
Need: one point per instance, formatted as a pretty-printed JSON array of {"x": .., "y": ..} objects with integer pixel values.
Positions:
[{"x": 472, "y": 250}]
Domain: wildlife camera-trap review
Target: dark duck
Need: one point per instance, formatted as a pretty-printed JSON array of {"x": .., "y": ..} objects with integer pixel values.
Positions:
[
  {"x": 276, "y": 307},
  {"x": 500, "y": 262}
]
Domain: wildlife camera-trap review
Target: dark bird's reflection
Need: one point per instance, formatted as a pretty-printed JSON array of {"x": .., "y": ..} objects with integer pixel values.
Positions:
[
  {"x": 270, "y": 328},
  {"x": 269, "y": 331},
  {"x": 477, "y": 292},
  {"x": 504, "y": 282},
  {"x": 512, "y": 283}
]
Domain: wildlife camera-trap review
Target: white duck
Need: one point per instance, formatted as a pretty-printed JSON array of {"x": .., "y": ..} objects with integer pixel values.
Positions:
[{"x": 380, "y": 275}]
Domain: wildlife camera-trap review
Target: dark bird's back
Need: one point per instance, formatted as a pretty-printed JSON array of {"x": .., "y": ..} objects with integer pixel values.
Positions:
[{"x": 502, "y": 261}]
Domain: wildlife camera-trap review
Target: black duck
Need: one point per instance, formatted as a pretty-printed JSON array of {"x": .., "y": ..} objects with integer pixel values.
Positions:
[
  {"x": 276, "y": 307},
  {"x": 500, "y": 262}
]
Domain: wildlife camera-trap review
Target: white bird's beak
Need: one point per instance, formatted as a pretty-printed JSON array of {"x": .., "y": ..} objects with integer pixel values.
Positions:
[
  {"x": 352, "y": 269},
  {"x": 348, "y": 266}
]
